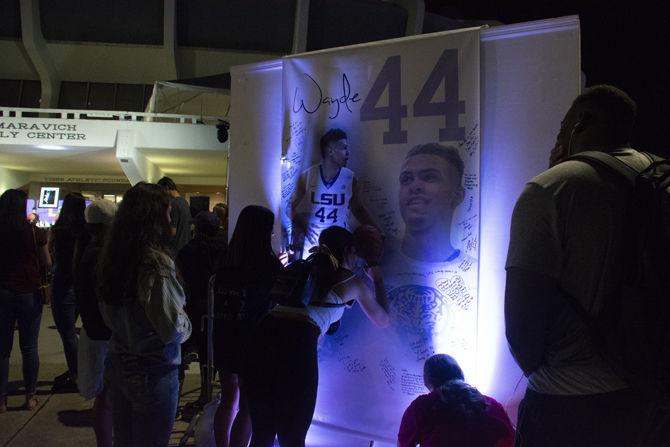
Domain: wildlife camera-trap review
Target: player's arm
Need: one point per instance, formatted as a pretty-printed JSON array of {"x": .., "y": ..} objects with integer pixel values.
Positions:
[
  {"x": 296, "y": 198},
  {"x": 356, "y": 206}
]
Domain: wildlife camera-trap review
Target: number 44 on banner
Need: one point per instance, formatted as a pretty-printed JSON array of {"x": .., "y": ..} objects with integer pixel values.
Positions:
[{"x": 445, "y": 70}]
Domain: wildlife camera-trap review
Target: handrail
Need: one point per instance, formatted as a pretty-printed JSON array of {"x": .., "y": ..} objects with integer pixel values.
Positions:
[{"x": 23, "y": 112}]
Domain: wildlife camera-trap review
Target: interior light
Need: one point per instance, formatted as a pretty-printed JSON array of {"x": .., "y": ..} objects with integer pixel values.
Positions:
[{"x": 51, "y": 147}]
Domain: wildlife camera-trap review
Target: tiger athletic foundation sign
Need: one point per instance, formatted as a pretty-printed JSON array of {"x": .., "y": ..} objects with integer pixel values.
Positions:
[{"x": 83, "y": 179}]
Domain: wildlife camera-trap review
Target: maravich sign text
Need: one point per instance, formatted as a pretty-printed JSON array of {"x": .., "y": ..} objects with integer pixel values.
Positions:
[{"x": 40, "y": 131}]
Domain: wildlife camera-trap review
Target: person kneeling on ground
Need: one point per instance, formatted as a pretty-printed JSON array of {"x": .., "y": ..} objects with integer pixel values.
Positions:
[{"x": 453, "y": 413}]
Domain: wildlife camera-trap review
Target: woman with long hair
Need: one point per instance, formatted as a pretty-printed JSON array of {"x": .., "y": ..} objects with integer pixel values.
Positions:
[
  {"x": 63, "y": 237},
  {"x": 143, "y": 304},
  {"x": 23, "y": 258},
  {"x": 283, "y": 365},
  {"x": 453, "y": 413},
  {"x": 249, "y": 265}
]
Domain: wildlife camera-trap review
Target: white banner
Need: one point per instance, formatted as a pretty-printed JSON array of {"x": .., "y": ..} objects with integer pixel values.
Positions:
[{"x": 409, "y": 110}]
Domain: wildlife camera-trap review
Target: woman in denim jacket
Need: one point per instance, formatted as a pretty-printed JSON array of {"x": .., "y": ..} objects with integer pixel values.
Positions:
[{"x": 143, "y": 304}]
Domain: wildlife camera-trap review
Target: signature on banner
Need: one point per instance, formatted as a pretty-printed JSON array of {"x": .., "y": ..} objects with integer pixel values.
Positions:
[{"x": 318, "y": 98}]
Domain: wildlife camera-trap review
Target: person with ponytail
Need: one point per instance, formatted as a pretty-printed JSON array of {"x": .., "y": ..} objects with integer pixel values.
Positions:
[
  {"x": 250, "y": 266},
  {"x": 282, "y": 371},
  {"x": 454, "y": 413}
]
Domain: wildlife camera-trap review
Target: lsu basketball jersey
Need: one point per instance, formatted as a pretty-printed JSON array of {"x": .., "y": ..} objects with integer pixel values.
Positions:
[{"x": 327, "y": 203}]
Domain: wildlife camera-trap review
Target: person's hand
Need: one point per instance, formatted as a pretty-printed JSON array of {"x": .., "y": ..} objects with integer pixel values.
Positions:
[
  {"x": 285, "y": 256},
  {"x": 374, "y": 272},
  {"x": 300, "y": 222},
  {"x": 558, "y": 155}
]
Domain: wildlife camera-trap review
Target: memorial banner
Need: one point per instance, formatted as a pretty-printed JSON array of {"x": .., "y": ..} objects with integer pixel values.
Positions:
[{"x": 387, "y": 134}]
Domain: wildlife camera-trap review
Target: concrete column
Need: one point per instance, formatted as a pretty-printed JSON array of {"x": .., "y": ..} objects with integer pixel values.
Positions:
[
  {"x": 416, "y": 10},
  {"x": 300, "y": 25},
  {"x": 38, "y": 53},
  {"x": 133, "y": 163},
  {"x": 170, "y": 37}
]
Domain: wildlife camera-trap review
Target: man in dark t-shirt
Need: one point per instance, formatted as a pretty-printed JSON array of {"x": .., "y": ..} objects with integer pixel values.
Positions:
[
  {"x": 180, "y": 216},
  {"x": 568, "y": 239}
]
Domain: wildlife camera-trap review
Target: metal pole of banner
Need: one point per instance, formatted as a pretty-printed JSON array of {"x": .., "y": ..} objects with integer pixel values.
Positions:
[
  {"x": 206, "y": 325},
  {"x": 300, "y": 25}
]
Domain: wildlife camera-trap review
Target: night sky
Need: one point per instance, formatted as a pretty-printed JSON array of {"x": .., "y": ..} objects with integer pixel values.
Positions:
[{"x": 623, "y": 44}]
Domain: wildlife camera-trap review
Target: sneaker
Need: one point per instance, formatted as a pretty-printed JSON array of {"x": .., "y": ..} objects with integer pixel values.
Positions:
[
  {"x": 64, "y": 384},
  {"x": 31, "y": 403}
]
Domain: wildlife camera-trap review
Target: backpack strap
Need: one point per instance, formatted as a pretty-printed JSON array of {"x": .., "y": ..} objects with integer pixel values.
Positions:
[
  {"x": 610, "y": 162},
  {"x": 653, "y": 158}
]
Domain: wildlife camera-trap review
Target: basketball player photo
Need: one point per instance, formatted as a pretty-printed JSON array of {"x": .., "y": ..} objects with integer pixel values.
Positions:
[{"x": 325, "y": 195}]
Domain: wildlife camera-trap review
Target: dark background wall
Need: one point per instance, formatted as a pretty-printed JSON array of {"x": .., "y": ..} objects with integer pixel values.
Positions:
[{"x": 626, "y": 44}]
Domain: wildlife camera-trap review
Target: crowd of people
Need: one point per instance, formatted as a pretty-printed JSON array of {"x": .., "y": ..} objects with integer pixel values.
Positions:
[{"x": 144, "y": 276}]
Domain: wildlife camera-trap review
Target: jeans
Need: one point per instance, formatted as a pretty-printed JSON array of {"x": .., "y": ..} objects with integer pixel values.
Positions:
[
  {"x": 26, "y": 309},
  {"x": 144, "y": 400},
  {"x": 64, "y": 309}
]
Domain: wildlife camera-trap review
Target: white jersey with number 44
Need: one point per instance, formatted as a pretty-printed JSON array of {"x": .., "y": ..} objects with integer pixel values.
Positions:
[{"x": 326, "y": 202}]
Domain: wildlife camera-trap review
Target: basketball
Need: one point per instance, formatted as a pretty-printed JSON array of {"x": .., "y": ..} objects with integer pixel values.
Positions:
[{"x": 369, "y": 243}]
